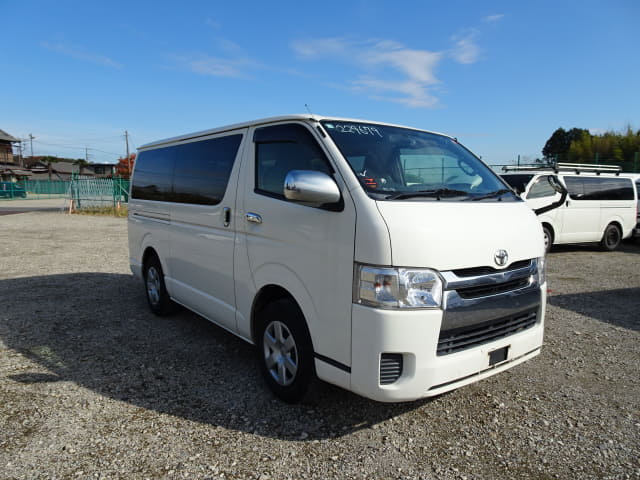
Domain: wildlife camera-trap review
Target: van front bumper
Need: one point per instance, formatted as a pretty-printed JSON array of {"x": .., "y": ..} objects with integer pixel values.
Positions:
[{"x": 415, "y": 334}]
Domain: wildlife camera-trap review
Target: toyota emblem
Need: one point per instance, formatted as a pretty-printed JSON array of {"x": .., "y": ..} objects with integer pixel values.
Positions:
[{"x": 501, "y": 257}]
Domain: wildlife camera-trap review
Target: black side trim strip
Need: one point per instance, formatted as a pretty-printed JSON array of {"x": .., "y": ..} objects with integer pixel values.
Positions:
[{"x": 333, "y": 362}]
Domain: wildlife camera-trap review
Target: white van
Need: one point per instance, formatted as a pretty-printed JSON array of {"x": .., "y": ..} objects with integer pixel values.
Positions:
[
  {"x": 636, "y": 181},
  {"x": 594, "y": 203},
  {"x": 386, "y": 260}
]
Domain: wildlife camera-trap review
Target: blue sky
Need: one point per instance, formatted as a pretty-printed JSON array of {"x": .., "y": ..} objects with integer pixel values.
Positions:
[{"x": 500, "y": 76}]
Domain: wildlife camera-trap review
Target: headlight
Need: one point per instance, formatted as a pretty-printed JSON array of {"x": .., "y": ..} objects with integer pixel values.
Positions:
[
  {"x": 397, "y": 287},
  {"x": 541, "y": 266}
]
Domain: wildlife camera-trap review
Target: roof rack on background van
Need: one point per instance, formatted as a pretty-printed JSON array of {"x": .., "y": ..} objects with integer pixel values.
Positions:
[{"x": 574, "y": 167}]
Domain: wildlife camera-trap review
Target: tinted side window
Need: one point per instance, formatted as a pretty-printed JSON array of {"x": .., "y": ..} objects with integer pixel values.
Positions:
[
  {"x": 282, "y": 148},
  {"x": 152, "y": 174},
  {"x": 203, "y": 168},
  {"x": 608, "y": 189},
  {"x": 594, "y": 188},
  {"x": 542, "y": 188}
]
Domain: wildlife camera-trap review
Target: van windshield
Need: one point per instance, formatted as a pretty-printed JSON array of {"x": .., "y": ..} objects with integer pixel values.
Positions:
[{"x": 394, "y": 163}]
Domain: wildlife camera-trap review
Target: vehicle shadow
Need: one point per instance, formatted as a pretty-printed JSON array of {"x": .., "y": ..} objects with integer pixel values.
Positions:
[
  {"x": 626, "y": 246},
  {"x": 619, "y": 307},
  {"x": 95, "y": 329}
]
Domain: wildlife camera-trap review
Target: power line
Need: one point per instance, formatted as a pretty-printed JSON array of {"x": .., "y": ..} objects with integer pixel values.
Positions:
[{"x": 75, "y": 147}]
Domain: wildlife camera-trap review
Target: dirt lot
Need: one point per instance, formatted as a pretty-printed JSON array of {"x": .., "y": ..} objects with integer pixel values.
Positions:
[{"x": 92, "y": 385}]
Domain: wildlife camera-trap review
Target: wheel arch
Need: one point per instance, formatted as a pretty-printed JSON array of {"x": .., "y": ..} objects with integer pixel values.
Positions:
[
  {"x": 148, "y": 253},
  {"x": 618, "y": 224},
  {"x": 551, "y": 230},
  {"x": 266, "y": 295}
]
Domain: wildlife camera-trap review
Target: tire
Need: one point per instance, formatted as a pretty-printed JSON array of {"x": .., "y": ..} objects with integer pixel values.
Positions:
[
  {"x": 157, "y": 296},
  {"x": 548, "y": 238},
  {"x": 611, "y": 238},
  {"x": 285, "y": 351}
]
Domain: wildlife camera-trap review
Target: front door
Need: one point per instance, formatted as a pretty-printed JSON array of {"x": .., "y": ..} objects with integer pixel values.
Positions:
[{"x": 307, "y": 251}]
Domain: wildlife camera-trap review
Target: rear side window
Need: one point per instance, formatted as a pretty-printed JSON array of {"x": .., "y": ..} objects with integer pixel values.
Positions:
[
  {"x": 153, "y": 174},
  {"x": 599, "y": 188},
  {"x": 202, "y": 170},
  {"x": 282, "y": 148},
  {"x": 196, "y": 172}
]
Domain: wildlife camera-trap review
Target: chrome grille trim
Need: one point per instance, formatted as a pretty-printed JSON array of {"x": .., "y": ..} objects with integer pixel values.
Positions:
[
  {"x": 478, "y": 271},
  {"x": 453, "y": 282}
]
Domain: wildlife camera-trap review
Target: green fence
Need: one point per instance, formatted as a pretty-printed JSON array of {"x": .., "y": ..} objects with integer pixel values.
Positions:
[
  {"x": 84, "y": 192},
  {"x": 45, "y": 188},
  {"x": 98, "y": 192}
]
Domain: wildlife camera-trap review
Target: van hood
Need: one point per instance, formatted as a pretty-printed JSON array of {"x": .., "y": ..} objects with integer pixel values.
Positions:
[{"x": 452, "y": 235}]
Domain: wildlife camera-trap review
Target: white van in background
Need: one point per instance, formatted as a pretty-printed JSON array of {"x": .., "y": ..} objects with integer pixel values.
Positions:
[
  {"x": 636, "y": 181},
  {"x": 341, "y": 249},
  {"x": 594, "y": 203}
]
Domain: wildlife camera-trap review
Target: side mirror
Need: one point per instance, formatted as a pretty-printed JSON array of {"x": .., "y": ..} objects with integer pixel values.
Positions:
[
  {"x": 555, "y": 184},
  {"x": 311, "y": 188}
]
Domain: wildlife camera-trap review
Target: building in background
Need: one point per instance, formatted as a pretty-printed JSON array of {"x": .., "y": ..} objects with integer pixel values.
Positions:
[{"x": 10, "y": 168}]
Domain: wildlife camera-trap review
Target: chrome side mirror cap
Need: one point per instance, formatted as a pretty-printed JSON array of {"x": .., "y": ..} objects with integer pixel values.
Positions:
[{"x": 310, "y": 187}]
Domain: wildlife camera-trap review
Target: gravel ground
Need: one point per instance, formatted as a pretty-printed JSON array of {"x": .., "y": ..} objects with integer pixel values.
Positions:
[{"x": 92, "y": 385}]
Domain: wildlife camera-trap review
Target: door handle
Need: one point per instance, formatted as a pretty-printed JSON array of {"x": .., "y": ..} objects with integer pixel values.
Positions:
[
  {"x": 253, "y": 217},
  {"x": 226, "y": 215}
]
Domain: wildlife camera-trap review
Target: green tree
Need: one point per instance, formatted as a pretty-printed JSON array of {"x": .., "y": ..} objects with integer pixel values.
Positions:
[{"x": 558, "y": 145}]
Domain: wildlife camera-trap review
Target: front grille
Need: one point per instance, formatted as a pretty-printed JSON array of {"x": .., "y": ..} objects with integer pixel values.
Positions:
[
  {"x": 390, "y": 368},
  {"x": 477, "y": 271},
  {"x": 452, "y": 341},
  {"x": 486, "y": 290}
]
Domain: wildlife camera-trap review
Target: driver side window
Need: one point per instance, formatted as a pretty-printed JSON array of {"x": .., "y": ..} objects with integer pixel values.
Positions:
[
  {"x": 280, "y": 149},
  {"x": 542, "y": 188}
]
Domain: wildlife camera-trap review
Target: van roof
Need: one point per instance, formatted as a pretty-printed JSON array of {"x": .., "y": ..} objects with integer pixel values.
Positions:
[{"x": 262, "y": 121}]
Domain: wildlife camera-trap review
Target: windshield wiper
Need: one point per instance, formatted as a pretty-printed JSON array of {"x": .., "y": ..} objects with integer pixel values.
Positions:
[
  {"x": 497, "y": 193},
  {"x": 437, "y": 193}
]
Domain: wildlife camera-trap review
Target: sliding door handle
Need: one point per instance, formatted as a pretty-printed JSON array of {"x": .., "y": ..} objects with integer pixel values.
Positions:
[
  {"x": 226, "y": 215},
  {"x": 253, "y": 217}
]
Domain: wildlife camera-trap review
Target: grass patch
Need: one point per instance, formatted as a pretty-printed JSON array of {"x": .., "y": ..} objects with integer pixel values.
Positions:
[{"x": 111, "y": 211}]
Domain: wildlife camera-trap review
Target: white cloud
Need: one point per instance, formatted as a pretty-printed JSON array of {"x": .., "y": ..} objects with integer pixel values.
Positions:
[
  {"x": 493, "y": 18},
  {"x": 232, "y": 63},
  {"x": 466, "y": 51},
  {"x": 392, "y": 72},
  {"x": 217, "y": 66},
  {"x": 80, "y": 53},
  {"x": 213, "y": 23}
]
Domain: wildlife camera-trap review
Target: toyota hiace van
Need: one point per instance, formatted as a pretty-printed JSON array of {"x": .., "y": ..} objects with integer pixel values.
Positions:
[
  {"x": 595, "y": 203},
  {"x": 389, "y": 261}
]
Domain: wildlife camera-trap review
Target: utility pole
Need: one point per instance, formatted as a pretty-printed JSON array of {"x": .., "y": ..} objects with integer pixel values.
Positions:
[
  {"x": 126, "y": 140},
  {"x": 86, "y": 154},
  {"x": 20, "y": 159},
  {"x": 31, "y": 137}
]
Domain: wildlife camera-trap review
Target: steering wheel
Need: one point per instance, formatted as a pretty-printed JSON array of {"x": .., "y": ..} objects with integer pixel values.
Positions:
[{"x": 476, "y": 181}]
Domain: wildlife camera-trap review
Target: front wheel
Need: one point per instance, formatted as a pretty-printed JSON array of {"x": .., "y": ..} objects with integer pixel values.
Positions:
[
  {"x": 285, "y": 352},
  {"x": 611, "y": 238},
  {"x": 548, "y": 238}
]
